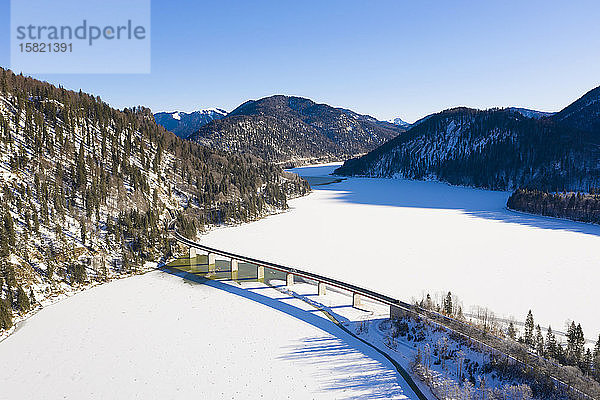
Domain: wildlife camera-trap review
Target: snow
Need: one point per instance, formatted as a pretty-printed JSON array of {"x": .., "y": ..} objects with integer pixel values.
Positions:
[
  {"x": 158, "y": 336},
  {"x": 208, "y": 111},
  {"x": 405, "y": 238},
  {"x": 399, "y": 121},
  {"x": 213, "y": 110},
  {"x": 535, "y": 114}
]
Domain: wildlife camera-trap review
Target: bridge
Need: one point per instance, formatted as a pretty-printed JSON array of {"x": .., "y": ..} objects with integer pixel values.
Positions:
[{"x": 397, "y": 307}]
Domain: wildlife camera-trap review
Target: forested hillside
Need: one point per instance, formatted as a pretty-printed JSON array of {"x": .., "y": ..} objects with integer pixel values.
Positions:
[
  {"x": 584, "y": 113},
  {"x": 86, "y": 190},
  {"x": 294, "y": 130},
  {"x": 494, "y": 149}
]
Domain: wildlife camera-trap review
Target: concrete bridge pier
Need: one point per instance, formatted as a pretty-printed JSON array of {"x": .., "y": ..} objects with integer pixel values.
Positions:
[
  {"x": 234, "y": 269},
  {"x": 321, "y": 287},
  {"x": 260, "y": 273},
  {"x": 193, "y": 260},
  {"x": 211, "y": 262},
  {"x": 355, "y": 300},
  {"x": 289, "y": 279}
]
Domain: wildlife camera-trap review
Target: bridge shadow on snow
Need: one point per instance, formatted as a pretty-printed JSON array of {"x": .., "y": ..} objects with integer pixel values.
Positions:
[
  {"x": 476, "y": 203},
  {"x": 377, "y": 375},
  {"x": 357, "y": 374}
]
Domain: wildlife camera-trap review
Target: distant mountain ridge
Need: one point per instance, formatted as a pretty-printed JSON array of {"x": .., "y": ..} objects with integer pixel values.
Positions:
[
  {"x": 295, "y": 130},
  {"x": 495, "y": 149},
  {"x": 183, "y": 124},
  {"x": 400, "y": 122}
]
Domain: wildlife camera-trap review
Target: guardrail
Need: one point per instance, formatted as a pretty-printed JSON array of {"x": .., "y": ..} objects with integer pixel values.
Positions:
[{"x": 397, "y": 308}]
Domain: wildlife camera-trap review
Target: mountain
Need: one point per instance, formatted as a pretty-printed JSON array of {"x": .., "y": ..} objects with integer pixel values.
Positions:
[
  {"x": 183, "y": 124},
  {"x": 399, "y": 122},
  {"x": 495, "y": 149},
  {"x": 583, "y": 114},
  {"x": 294, "y": 130},
  {"x": 86, "y": 191}
]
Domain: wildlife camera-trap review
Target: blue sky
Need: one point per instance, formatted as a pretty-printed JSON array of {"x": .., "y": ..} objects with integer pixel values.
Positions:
[{"x": 379, "y": 57}]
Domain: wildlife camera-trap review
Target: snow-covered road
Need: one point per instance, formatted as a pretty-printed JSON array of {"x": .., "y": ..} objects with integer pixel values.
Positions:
[{"x": 403, "y": 237}]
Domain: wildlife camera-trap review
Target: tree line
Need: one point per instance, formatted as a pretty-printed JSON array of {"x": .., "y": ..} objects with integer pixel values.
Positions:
[
  {"x": 572, "y": 353},
  {"x": 584, "y": 207},
  {"x": 571, "y": 361}
]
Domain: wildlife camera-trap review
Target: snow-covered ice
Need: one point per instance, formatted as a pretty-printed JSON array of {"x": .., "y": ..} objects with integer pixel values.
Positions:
[
  {"x": 404, "y": 238},
  {"x": 157, "y": 336}
]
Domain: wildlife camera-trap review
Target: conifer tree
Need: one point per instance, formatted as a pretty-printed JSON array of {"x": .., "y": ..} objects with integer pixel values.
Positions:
[
  {"x": 428, "y": 302},
  {"x": 9, "y": 228},
  {"x": 22, "y": 300},
  {"x": 551, "y": 345},
  {"x": 459, "y": 313},
  {"x": 83, "y": 232},
  {"x": 80, "y": 177},
  {"x": 580, "y": 349},
  {"x": 575, "y": 344},
  {"x": 36, "y": 223},
  {"x": 5, "y": 315},
  {"x": 539, "y": 341},
  {"x": 596, "y": 359},
  {"x": 561, "y": 353},
  {"x": 448, "y": 304},
  {"x": 529, "y": 326},
  {"x": 586, "y": 364},
  {"x": 571, "y": 342},
  {"x": 512, "y": 333},
  {"x": 50, "y": 267}
]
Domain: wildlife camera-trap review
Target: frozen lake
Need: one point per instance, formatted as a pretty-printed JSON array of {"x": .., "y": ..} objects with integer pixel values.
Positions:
[
  {"x": 404, "y": 238},
  {"x": 157, "y": 336}
]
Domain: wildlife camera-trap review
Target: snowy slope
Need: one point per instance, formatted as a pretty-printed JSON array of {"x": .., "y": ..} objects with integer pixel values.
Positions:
[
  {"x": 183, "y": 124},
  {"x": 400, "y": 122},
  {"x": 529, "y": 113}
]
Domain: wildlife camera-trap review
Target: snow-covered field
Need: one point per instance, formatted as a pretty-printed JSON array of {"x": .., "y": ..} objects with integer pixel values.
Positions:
[
  {"x": 157, "y": 336},
  {"x": 404, "y": 238}
]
